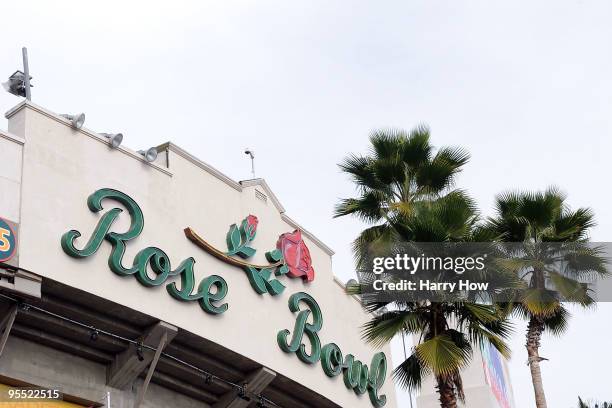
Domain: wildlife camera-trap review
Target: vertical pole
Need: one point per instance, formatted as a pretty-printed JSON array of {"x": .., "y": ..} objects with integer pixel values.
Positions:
[
  {"x": 145, "y": 385},
  {"x": 406, "y": 358},
  {"x": 26, "y": 72},
  {"x": 108, "y": 399},
  {"x": 253, "y": 165}
]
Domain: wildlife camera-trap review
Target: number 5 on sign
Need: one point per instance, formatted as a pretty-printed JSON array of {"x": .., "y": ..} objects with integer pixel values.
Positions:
[
  {"x": 5, "y": 244},
  {"x": 8, "y": 242}
]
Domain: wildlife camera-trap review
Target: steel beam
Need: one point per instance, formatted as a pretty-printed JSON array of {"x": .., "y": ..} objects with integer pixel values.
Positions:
[
  {"x": 6, "y": 324},
  {"x": 255, "y": 382},
  {"x": 129, "y": 364}
]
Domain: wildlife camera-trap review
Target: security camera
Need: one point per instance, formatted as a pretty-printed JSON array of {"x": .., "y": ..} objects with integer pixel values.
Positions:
[{"x": 249, "y": 152}]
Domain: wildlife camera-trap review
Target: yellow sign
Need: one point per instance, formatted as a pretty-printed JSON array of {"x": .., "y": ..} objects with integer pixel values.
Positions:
[{"x": 23, "y": 400}]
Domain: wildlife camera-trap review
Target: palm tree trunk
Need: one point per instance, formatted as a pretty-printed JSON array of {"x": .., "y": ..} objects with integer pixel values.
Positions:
[
  {"x": 446, "y": 389},
  {"x": 534, "y": 334}
]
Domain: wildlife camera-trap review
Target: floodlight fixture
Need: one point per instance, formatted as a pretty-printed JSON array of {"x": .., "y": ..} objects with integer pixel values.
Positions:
[
  {"x": 150, "y": 154},
  {"x": 351, "y": 283},
  {"x": 76, "y": 121},
  {"x": 114, "y": 139},
  {"x": 16, "y": 84},
  {"x": 19, "y": 83},
  {"x": 251, "y": 153}
]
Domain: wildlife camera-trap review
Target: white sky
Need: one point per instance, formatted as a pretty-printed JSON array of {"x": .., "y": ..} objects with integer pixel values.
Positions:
[{"x": 524, "y": 86}]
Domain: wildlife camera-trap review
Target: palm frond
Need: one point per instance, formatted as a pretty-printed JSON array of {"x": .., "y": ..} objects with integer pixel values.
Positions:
[
  {"x": 444, "y": 353},
  {"x": 540, "y": 302},
  {"x": 557, "y": 323},
  {"x": 381, "y": 329},
  {"x": 378, "y": 239},
  {"x": 370, "y": 207},
  {"x": 573, "y": 225},
  {"x": 416, "y": 150},
  {"x": 410, "y": 373}
]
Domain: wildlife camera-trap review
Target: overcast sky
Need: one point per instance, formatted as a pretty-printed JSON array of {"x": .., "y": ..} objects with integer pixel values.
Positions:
[{"x": 524, "y": 86}]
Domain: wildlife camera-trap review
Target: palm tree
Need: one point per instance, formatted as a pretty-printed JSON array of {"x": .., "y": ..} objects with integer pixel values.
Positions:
[
  {"x": 447, "y": 330},
  {"x": 555, "y": 260},
  {"x": 400, "y": 171},
  {"x": 582, "y": 404},
  {"x": 404, "y": 190}
]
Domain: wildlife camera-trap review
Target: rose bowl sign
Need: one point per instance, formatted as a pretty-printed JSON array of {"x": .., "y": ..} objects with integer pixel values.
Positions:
[{"x": 290, "y": 258}]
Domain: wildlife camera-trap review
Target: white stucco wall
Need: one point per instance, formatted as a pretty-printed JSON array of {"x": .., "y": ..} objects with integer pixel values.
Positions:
[
  {"x": 63, "y": 166},
  {"x": 11, "y": 149}
]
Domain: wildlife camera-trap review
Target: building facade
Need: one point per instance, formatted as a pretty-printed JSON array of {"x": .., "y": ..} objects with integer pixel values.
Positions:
[{"x": 165, "y": 283}]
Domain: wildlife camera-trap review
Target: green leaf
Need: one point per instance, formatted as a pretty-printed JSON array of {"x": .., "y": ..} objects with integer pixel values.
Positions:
[
  {"x": 233, "y": 239},
  {"x": 282, "y": 270},
  {"x": 261, "y": 282},
  {"x": 274, "y": 287},
  {"x": 245, "y": 252},
  {"x": 256, "y": 280},
  {"x": 274, "y": 255}
]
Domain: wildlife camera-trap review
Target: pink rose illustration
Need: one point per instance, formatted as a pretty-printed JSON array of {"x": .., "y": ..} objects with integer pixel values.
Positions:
[
  {"x": 296, "y": 255},
  {"x": 251, "y": 226}
]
